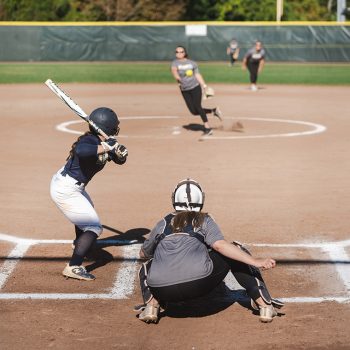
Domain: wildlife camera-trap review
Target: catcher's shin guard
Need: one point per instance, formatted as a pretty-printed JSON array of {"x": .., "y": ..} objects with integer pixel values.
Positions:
[
  {"x": 143, "y": 272},
  {"x": 259, "y": 288}
]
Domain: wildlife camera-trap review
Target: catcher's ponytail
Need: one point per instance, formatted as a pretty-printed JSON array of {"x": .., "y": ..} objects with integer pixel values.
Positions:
[{"x": 185, "y": 218}]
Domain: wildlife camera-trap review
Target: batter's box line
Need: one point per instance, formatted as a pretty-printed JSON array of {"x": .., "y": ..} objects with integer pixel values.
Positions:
[
  {"x": 124, "y": 282},
  {"x": 123, "y": 285}
]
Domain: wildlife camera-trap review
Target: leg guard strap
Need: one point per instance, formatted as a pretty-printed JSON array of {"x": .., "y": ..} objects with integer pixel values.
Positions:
[{"x": 145, "y": 290}]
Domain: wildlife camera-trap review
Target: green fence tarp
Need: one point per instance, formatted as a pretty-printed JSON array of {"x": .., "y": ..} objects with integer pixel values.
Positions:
[{"x": 157, "y": 42}]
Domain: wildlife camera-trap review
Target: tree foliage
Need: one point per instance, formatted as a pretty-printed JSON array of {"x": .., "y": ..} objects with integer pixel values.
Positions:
[{"x": 164, "y": 10}]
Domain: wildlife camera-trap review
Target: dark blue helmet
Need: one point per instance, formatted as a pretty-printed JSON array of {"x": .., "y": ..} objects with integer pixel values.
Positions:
[{"x": 106, "y": 120}]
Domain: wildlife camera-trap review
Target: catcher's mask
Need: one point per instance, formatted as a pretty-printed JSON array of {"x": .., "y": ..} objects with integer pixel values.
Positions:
[
  {"x": 106, "y": 120},
  {"x": 188, "y": 196}
]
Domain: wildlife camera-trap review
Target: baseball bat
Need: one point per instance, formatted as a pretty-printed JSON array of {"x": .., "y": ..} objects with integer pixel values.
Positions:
[{"x": 73, "y": 106}]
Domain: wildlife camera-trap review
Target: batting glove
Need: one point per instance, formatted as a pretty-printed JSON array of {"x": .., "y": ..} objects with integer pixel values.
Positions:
[
  {"x": 121, "y": 151},
  {"x": 110, "y": 144}
]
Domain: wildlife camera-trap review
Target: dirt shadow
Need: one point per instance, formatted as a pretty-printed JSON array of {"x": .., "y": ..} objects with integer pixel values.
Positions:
[
  {"x": 194, "y": 127},
  {"x": 131, "y": 236},
  {"x": 101, "y": 257},
  {"x": 218, "y": 300}
]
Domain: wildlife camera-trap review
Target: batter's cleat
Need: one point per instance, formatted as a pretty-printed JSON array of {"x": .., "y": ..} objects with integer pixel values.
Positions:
[
  {"x": 149, "y": 314},
  {"x": 267, "y": 313},
  {"x": 217, "y": 113},
  {"x": 208, "y": 132},
  {"x": 77, "y": 272}
]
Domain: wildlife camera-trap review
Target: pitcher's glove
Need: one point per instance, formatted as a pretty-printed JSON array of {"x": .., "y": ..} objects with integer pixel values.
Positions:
[{"x": 208, "y": 92}]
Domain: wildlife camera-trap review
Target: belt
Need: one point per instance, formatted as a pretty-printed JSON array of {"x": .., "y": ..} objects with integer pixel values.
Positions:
[{"x": 64, "y": 173}]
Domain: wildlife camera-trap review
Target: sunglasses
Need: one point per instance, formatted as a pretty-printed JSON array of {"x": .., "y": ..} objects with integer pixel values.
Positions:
[{"x": 179, "y": 51}]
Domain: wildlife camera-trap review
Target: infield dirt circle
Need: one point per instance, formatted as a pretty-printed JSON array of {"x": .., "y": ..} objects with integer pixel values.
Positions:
[{"x": 281, "y": 186}]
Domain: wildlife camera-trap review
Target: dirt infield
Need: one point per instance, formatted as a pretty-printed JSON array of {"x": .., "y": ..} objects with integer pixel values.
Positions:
[{"x": 280, "y": 186}]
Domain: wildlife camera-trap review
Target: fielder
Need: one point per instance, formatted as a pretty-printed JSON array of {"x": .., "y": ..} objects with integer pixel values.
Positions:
[
  {"x": 233, "y": 51},
  {"x": 88, "y": 155},
  {"x": 254, "y": 60},
  {"x": 191, "y": 83},
  {"x": 188, "y": 257}
]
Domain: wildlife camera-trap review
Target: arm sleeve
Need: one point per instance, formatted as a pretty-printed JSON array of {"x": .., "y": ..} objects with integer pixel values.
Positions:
[
  {"x": 173, "y": 64},
  {"x": 248, "y": 54},
  {"x": 86, "y": 150},
  {"x": 212, "y": 232},
  {"x": 149, "y": 244},
  {"x": 195, "y": 68}
]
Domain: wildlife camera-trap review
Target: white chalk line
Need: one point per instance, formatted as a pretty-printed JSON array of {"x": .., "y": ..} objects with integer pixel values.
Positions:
[
  {"x": 64, "y": 127},
  {"x": 316, "y": 129},
  {"x": 124, "y": 283},
  {"x": 176, "y": 130},
  {"x": 9, "y": 265},
  {"x": 339, "y": 253},
  {"x": 125, "y": 280}
]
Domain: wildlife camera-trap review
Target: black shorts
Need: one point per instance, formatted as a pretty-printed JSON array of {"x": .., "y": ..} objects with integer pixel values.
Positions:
[{"x": 196, "y": 288}]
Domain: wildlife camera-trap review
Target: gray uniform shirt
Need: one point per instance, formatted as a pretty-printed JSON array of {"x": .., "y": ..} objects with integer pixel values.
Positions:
[
  {"x": 180, "y": 258},
  {"x": 233, "y": 46},
  {"x": 254, "y": 56},
  {"x": 187, "y": 70}
]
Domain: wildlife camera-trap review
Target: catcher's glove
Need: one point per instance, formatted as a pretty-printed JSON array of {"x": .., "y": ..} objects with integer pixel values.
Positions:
[{"x": 208, "y": 92}]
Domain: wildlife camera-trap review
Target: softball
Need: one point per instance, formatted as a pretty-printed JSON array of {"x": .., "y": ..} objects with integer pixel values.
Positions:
[{"x": 189, "y": 73}]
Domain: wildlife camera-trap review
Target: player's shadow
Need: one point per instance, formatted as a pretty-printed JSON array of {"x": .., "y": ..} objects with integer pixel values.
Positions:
[
  {"x": 101, "y": 257},
  {"x": 216, "y": 301},
  {"x": 131, "y": 236},
  {"x": 194, "y": 127}
]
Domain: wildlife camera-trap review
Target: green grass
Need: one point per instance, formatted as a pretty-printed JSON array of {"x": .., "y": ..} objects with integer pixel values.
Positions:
[{"x": 159, "y": 72}]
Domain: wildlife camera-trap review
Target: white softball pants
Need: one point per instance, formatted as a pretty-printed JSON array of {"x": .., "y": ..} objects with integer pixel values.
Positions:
[{"x": 75, "y": 203}]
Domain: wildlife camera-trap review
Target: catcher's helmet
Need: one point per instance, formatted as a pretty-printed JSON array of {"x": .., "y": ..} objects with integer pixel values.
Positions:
[
  {"x": 106, "y": 120},
  {"x": 188, "y": 196}
]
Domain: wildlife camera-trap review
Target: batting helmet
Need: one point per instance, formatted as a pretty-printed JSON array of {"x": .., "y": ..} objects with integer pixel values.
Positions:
[
  {"x": 106, "y": 120},
  {"x": 188, "y": 196}
]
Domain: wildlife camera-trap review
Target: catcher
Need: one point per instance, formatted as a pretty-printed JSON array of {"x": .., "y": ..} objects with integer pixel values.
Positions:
[
  {"x": 191, "y": 84},
  {"x": 188, "y": 257}
]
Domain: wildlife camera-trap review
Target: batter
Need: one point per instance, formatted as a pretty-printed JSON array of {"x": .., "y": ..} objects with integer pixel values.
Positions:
[
  {"x": 254, "y": 60},
  {"x": 88, "y": 155}
]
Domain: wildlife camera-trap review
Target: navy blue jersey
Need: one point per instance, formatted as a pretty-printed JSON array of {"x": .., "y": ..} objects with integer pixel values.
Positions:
[{"x": 84, "y": 163}]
